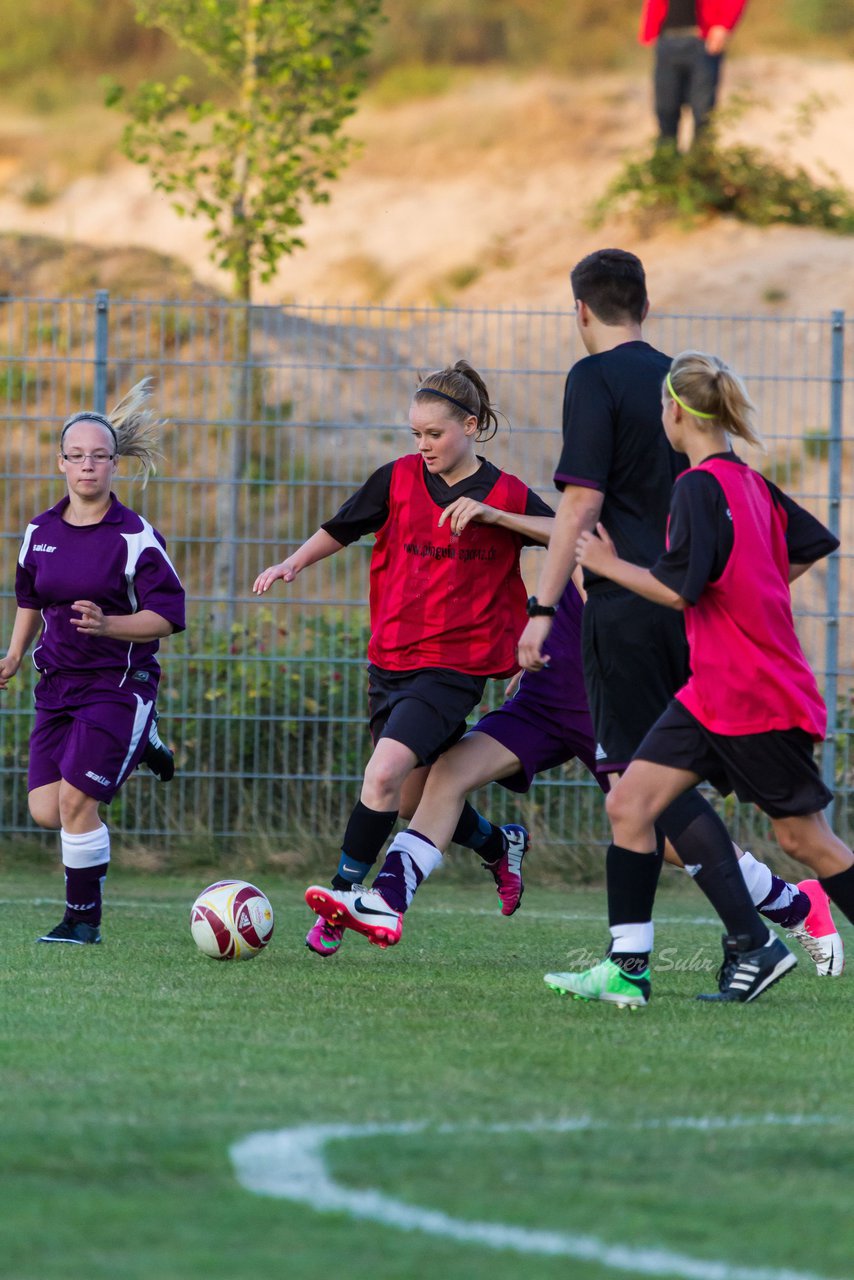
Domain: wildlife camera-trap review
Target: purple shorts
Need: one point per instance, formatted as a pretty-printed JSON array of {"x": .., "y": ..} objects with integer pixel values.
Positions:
[
  {"x": 541, "y": 734},
  {"x": 91, "y": 734}
]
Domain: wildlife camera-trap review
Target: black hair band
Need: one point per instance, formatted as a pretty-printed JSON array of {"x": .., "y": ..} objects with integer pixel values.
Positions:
[
  {"x": 89, "y": 415},
  {"x": 433, "y": 391}
]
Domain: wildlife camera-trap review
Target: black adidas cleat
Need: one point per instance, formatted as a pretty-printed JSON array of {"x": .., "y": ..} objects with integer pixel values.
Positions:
[
  {"x": 745, "y": 974},
  {"x": 157, "y": 757}
]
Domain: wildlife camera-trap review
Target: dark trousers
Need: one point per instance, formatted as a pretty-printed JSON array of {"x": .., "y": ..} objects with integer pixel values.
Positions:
[{"x": 685, "y": 75}]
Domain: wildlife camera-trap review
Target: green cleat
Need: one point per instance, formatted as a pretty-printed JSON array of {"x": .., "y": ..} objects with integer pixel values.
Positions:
[{"x": 605, "y": 981}]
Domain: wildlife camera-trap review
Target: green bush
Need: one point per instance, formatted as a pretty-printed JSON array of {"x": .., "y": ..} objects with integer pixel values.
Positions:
[{"x": 714, "y": 178}]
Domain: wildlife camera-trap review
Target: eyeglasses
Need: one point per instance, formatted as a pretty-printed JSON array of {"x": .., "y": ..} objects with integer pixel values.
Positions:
[{"x": 99, "y": 459}]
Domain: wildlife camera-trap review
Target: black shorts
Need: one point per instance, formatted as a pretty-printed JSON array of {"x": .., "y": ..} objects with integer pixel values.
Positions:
[
  {"x": 635, "y": 658},
  {"x": 775, "y": 771},
  {"x": 425, "y": 710}
]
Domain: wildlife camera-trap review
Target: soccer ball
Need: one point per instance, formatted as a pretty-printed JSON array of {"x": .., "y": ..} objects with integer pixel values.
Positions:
[{"x": 231, "y": 920}]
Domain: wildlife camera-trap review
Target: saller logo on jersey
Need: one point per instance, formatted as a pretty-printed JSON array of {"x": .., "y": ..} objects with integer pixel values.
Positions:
[{"x": 43, "y": 546}]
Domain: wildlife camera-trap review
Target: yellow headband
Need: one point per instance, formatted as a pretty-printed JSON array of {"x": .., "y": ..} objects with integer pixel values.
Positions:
[{"x": 695, "y": 413}]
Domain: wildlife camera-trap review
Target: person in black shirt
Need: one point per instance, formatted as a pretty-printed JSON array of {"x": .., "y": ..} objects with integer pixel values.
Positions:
[{"x": 617, "y": 467}]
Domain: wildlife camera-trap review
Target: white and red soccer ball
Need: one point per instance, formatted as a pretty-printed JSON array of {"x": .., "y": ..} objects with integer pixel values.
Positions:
[{"x": 231, "y": 920}]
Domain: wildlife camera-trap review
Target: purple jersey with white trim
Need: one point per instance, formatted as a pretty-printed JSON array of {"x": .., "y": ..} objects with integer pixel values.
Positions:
[{"x": 120, "y": 564}]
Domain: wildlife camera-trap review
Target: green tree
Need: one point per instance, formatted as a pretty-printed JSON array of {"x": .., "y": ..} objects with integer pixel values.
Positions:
[{"x": 247, "y": 156}]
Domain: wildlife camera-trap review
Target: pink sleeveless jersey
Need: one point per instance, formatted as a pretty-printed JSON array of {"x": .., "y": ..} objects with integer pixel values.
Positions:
[{"x": 749, "y": 674}]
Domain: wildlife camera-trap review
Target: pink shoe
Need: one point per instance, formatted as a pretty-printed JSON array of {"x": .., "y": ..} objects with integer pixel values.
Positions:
[
  {"x": 324, "y": 938},
  {"x": 507, "y": 871},
  {"x": 817, "y": 933},
  {"x": 363, "y": 910}
]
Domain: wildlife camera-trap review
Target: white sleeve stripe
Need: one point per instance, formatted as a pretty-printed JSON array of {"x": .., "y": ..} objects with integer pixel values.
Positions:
[{"x": 25, "y": 545}]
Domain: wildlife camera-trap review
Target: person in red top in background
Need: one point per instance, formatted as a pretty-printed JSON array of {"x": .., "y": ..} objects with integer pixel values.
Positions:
[
  {"x": 690, "y": 37},
  {"x": 447, "y": 604},
  {"x": 749, "y": 714}
]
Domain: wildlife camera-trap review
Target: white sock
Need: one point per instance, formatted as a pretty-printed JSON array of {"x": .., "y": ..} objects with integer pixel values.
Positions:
[
  {"x": 756, "y": 876},
  {"x": 89, "y": 849},
  {"x": 635, "y": 938},
  {"x": 423, "y": 852}
]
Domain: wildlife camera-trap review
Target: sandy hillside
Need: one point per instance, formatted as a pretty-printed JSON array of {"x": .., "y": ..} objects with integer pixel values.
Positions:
[{"x": 481, "y": 198}]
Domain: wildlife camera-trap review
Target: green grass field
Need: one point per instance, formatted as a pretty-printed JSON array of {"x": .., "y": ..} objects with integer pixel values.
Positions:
[{"x": 679, "y": 1140}]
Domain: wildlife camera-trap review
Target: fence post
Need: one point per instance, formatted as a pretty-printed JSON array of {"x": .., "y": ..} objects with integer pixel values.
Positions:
[
  {"x": 834, "y": 479},
  {"x": 102, "y": 316}
]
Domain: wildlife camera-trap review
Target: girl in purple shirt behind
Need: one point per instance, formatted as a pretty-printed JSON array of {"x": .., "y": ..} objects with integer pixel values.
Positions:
[{"x": 95, "y": 585}]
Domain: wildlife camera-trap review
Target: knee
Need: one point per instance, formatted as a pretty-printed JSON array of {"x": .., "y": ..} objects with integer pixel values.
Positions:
[
  {"x": 382, "y": 784},
  {"x": 788, "y": 839},
  {"x": 616, "y": 806},
  {"x": 44, "y": 812},
  {"x": 74, "y": 805}
]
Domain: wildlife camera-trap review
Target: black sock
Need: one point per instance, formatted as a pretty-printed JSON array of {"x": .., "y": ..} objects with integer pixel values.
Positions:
[
  {"x": 632, "y": 879},
  {"x": 473, "y": 831},
  {"x": 366, "y": 833},
  {"x": 840, "y": 889},
  {"x": 700, "y": 838}
]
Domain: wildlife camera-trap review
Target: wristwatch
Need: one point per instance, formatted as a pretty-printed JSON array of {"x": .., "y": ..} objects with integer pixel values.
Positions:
[{"x": 537, "y": 610}]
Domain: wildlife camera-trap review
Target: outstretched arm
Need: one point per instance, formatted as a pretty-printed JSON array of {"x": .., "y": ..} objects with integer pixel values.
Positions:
[{"x": 318, "y": 547}]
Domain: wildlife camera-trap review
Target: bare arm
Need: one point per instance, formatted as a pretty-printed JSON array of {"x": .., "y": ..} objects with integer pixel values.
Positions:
[
  {"x": 596, "y": 551},
  {"x": 798, "y": 570},
  {"x": 318, "y": 547},
  {"x": 467, "y": 510},
  {"x": 137, "y": 628},
  {"x": 579, "y": 508},
  {"x": 24, "y": 631}
]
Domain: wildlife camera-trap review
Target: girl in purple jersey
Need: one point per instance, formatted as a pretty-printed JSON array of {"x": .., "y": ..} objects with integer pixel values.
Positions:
[
  {"x": 96, "y": 586},
  {"x": 750, "y": 713}
]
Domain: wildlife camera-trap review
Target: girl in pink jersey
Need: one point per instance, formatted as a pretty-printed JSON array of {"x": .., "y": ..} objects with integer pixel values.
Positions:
[
  {"x": 447, "y": 605},
  {"x": 95, "y": 585},
  {"x": 747, "y": 718}
]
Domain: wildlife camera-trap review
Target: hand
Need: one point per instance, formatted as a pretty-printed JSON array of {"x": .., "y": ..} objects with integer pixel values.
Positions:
[
  {"x": 716, "y": 40},
  {"x": 462, "y": 511},
  {"x": 91, "y": 621},
  {"x": 530, "y": 648},
  {"x": 8, "y": 667},
  {"x": 595, "y": 551},
  {"x": 287, "y": 571},
  {"x": 512, "y": 685}
]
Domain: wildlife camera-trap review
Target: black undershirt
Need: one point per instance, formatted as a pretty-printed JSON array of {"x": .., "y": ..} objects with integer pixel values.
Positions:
[
  {"x": 367, "y": 510},
  {"x": 701, "y": 539},
  {"x": 680, "y": 13}
]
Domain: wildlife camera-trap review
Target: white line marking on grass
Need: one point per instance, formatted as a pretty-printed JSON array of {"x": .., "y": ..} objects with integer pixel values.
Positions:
[
  {"x": 584, "y": 917},
  {"x": 288, "y": 1164},
  {"x": 576, "y": 917}
]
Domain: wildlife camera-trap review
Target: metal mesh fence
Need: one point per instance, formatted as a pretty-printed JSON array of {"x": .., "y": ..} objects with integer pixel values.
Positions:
[{"x": 265, "y": 700}]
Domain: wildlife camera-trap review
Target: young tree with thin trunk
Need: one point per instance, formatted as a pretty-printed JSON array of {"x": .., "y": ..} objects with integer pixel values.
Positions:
[{"x": 250, "y": 153}]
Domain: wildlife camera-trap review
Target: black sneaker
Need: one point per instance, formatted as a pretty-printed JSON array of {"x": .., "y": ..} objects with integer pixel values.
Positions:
[
  {"x": 745, "y": 974},
  {"x": 157, "y": 757},
  {"x": 76, "y": 932}
]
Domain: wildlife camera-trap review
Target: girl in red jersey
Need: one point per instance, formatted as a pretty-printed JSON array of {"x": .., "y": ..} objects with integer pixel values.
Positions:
[
  {"x": 749, "y": 714},
  {"x": 447, "y": 605}
]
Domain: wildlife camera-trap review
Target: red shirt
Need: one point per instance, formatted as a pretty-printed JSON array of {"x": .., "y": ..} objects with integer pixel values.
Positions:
[
  {"x": 748, "y": 671},
  {"x": 444, "y": 601},
  {"x": 710, "y": 13}
]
